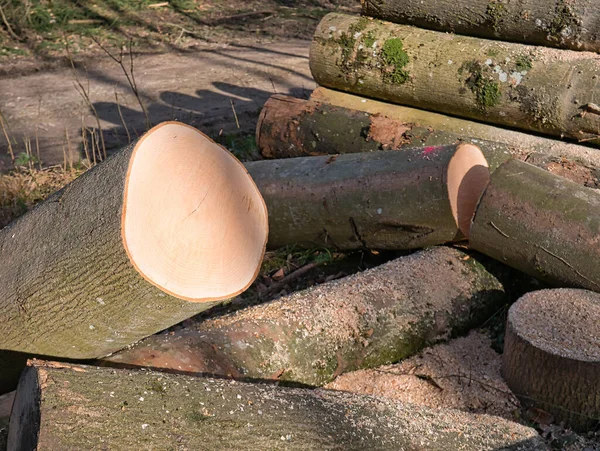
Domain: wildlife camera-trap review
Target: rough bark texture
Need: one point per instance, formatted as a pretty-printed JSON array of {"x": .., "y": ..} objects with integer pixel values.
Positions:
[
  {"x": 74, "y": 293},
  {"x": 368, "y": 319},
  {"x": 443, "y": 127},
  {"x": 552, "y": 354},
  {"x": 532, "y": 88},
  {"x": 571, "y": 24},
  {"x": 99, "y": 408},
  {"x": 541, "y": 224},
  {"x": 290, "y": 127},
  {"x": 379, "y": 200}
]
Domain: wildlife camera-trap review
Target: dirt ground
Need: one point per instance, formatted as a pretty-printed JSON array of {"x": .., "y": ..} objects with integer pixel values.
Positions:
[{"x": 215, "y": 76}]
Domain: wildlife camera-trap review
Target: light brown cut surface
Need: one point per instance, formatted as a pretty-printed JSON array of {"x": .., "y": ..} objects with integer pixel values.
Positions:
[
  {"x": 468, "y": 175},
  {"x": 194, "y": 224}
]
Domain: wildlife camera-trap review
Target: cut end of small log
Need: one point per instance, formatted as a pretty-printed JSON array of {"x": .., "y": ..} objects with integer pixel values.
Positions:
[
  {"x": 194, "y": 224},
  {"x": 468, "y": 175},
  {"x": 552, "y": 354}
]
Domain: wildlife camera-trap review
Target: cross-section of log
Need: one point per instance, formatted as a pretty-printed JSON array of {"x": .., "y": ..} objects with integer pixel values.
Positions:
[
  {"x": 569, "y": 24},
  {"x": 59, "y": 407},
  {"x": 368, "y": 319},
  {"x": 540, "y": 223},
  {"x": 441, "y": 126},
  {"x": 290, "y": 127},
  {"x": 531, "y": 88},
  {"x": 377, "y": 200},
  {"x": 162, "y": 230},
  {"x": 552, "y": 354}
]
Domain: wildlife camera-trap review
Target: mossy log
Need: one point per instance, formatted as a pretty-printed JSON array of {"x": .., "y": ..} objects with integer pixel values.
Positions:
[
  {"x": 551, "y": 354},
  {"x": 438, "y": 128},
  {"x": 540, "y": 223},
  {"x": 60, "y": 407},
  {"x": 290, "y": 127},
  {"x": 369, "y": 319},
  {"x": 570, "y": 24},
  {"x": 531, "y": 88},
  {"x": 130, "y": 248},
  {"x": 377, "y": 200}
]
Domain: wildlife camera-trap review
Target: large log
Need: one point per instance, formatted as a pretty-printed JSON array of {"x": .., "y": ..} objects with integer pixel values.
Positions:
[
  {"x": 372, "y": 318},
  {"x": 541, "y": 224},
  {"x": 552, "y": 354},
  {"x": 378, "y": 200},
  {"x": 164, "y": 229},
  {"x": 569, "y": 24},
  {"x": 60, "y": 407},
  {"x": 290, "y": 127},
  {"x": 442, "y": 127},
  {"x": 531, "y": 88}
]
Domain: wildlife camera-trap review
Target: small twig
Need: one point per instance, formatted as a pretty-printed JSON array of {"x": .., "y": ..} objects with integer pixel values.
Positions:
[
  {"x": 276, "y": 287},
  {"x": 121, "y": 116},
  {"x": 234, "y": 113},
  {"x": 566, "y": 263},
  {"x": 10, "y": 147},
  {"x": 7, "y": 25},
  {"x": 158, "y": 5},
  {"x": 498, "y": 230}
]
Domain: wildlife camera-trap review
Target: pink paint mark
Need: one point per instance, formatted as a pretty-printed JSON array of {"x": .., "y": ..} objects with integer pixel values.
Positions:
[{"x": 431, "y": 149}]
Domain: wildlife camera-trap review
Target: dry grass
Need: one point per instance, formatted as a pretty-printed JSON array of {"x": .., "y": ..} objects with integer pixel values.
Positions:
[{"x": 21, "y": 190}]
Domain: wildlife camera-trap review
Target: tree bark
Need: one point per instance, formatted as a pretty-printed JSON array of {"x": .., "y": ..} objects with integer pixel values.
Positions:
[
  {"x": 369, "y": 319},
  {"x": 553, "y": 23},
  {"x": 531, "y": 88},
  {"x": 70, "y": 284},
  {"x": 76, "y": 407},
  {"x": 541, "y": 224},
  {"x": 290, "y": 127},
  {"x": 552, "y": 354},
  {"x": 379, "y": 200},
  {"x": 445, "y": 127}
]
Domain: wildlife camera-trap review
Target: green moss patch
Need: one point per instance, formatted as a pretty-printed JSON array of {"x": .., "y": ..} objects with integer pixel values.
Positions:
[
  {"x": 494, "y": 12},
  {"x": 482, "y": 84},
  {"x": 523, "y": 63},
  {"x": 394, "y": 59}
]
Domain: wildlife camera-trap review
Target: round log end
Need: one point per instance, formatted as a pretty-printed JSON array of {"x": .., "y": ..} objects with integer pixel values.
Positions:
[
  {"x": 194, "y": 223},
  {"x": 468, "y": 175},
  {"x": 552, "y": 354}
]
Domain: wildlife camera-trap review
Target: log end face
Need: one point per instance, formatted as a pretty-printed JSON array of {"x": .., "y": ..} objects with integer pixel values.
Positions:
[
  {"x": 468, "y": 175},
  {"x": 194, "y": 223},
  {"x": 25, "y": 418},
  {"x": 551, "y": 354}
]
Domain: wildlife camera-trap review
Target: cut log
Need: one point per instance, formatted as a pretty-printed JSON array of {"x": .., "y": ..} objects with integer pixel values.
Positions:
[
  {"x": 444, "y": 128},
  {"x": 531, "y": 88},
  {"x": 552, "y": 354},
  {"x": 569, "y": 24},
  {"x": 378, "y": 200},
  {"x": 162, "y": 230},
  {"x": 541, "y": 224},
  {"x": 290, "y": 127},
  {"x": 60, "y": 407},
  {"x": 372, "y": 318}
]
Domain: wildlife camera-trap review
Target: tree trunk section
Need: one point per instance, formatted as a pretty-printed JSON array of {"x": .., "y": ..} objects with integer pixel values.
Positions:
[
  {"x": 541, "y": 224},
  {"x": 290, "y": 127},
  {"x": 76, "y": 407},
  {"x": 72, "y": 285},
  {"x": 378, "y": 200},
  {"x": 552, "y": 354},
  {"x": 443, "y": 127},
  {"x": 376, "y": 317},
  {"x": 569, "y": 24},
  {"x": 531, "y": 88}
]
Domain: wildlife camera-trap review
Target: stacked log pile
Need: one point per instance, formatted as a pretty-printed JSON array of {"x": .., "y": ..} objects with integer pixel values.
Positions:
[{"x": 174, "y": 225}]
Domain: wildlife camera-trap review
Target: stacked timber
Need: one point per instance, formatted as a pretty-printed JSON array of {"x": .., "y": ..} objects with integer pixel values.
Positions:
[
  {"x": 478, "y": 154},
  {"x": 520, "y": 82}
]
